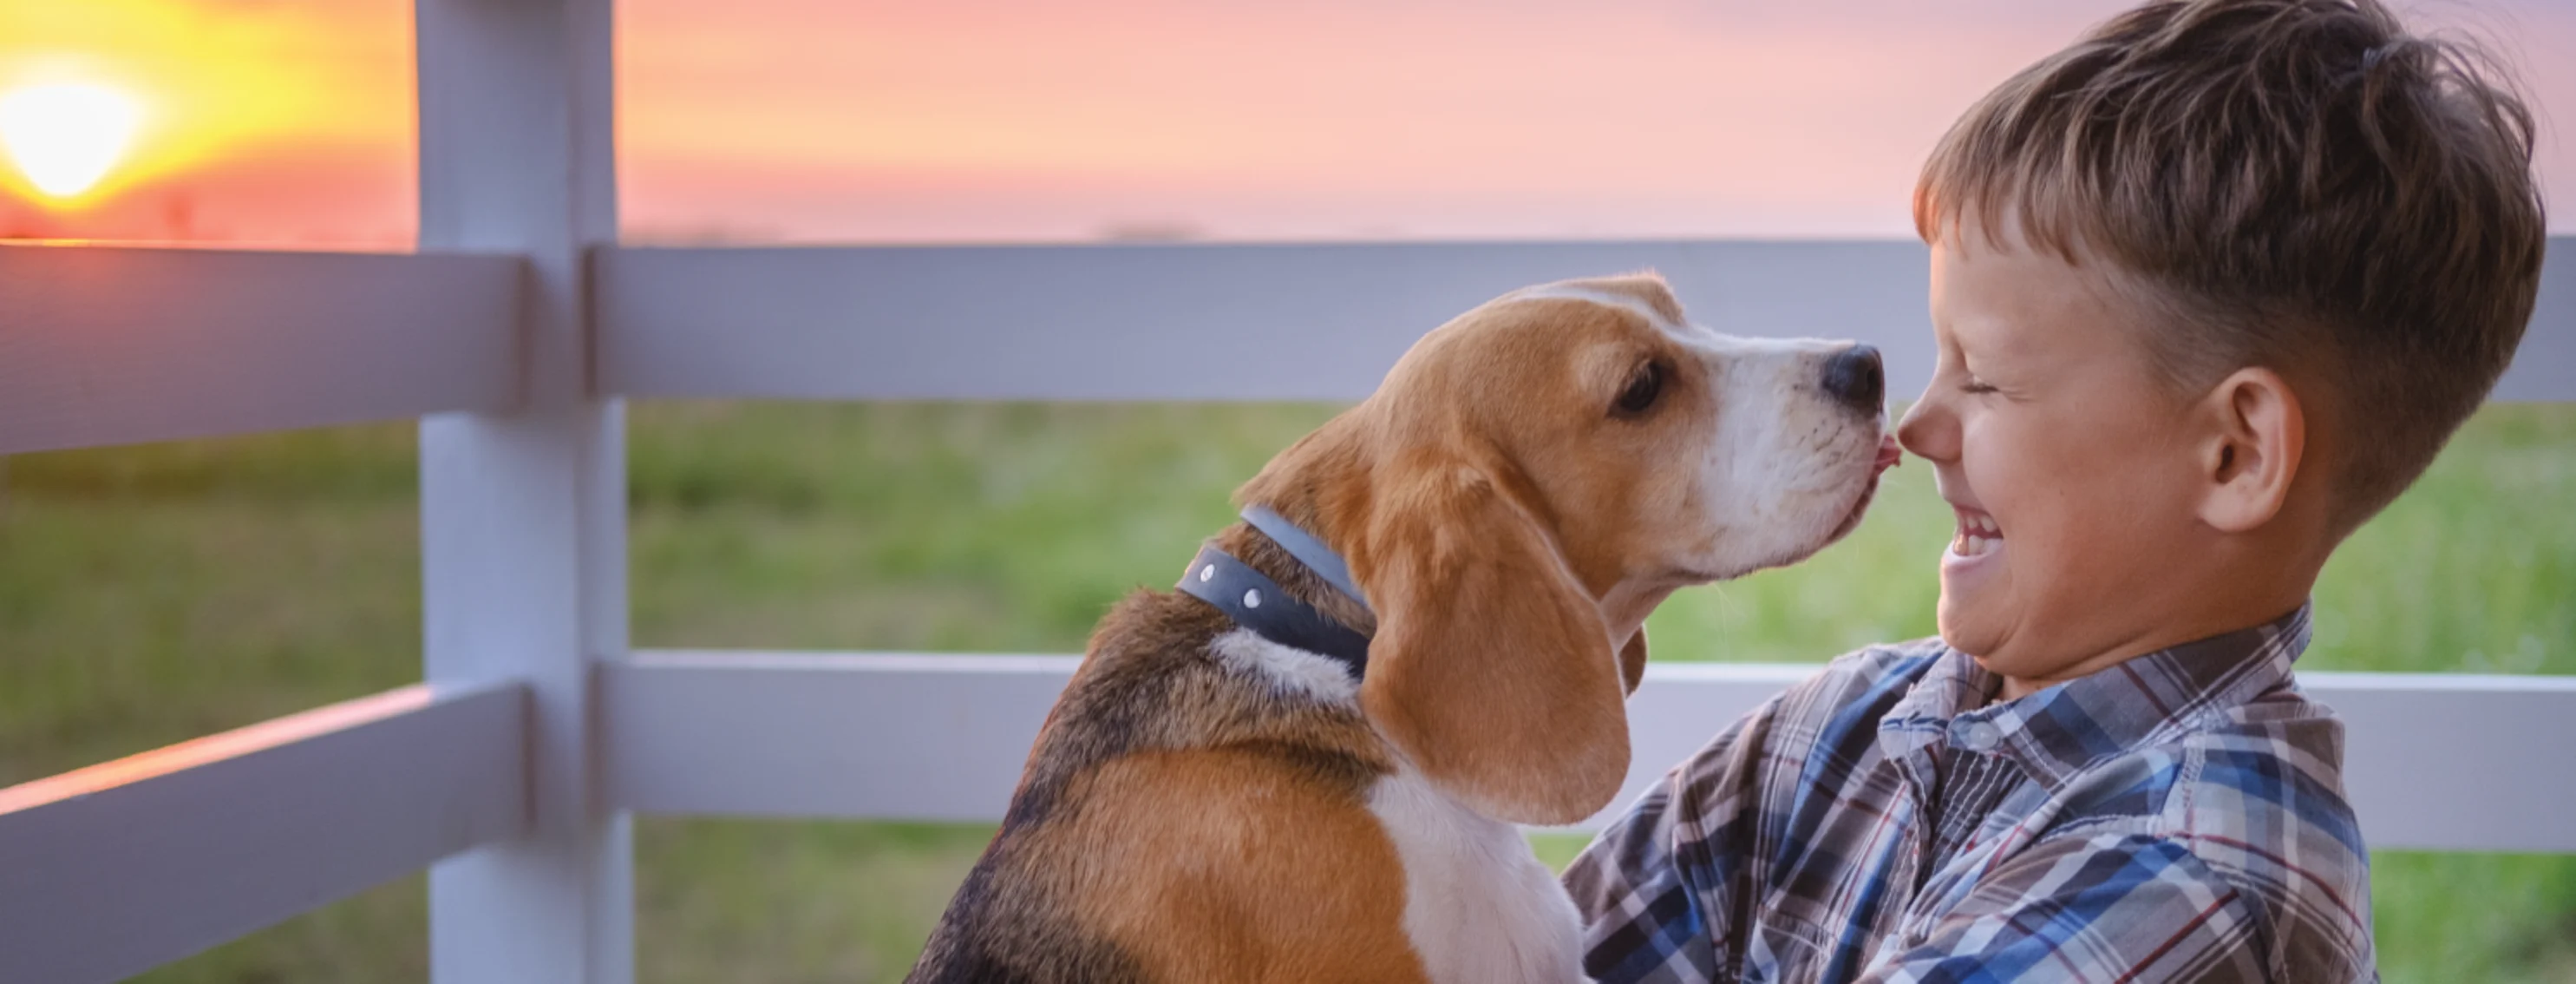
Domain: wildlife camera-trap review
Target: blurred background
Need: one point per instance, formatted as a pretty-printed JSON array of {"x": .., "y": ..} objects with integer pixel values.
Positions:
[{"x": 156, "y": 593}]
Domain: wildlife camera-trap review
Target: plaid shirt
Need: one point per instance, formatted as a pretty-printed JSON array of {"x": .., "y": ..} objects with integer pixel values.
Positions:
[{"x": 2177, "y": 817}]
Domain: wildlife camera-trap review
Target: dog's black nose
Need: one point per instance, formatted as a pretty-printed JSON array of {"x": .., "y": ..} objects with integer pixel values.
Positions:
[{"x": 1854, "y": 376}]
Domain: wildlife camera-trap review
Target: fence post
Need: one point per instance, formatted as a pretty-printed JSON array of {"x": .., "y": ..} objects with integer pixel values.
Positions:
[{"x": 523, "y": 521}]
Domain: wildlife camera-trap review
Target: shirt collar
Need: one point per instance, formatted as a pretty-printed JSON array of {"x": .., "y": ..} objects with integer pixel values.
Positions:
[{"x": 2142, "y": 701}]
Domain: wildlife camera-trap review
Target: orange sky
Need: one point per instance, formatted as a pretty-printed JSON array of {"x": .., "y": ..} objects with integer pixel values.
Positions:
[{"x": 289, "y": 121}]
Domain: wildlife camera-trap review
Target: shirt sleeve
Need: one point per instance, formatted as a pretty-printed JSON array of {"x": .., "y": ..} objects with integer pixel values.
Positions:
[
  {"x": 1660, "y": 890},
  {"x": 2107, "y": 908}
]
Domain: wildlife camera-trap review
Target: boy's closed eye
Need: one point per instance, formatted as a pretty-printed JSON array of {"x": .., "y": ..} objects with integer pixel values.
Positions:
[{"x": 1971, "y": 380}]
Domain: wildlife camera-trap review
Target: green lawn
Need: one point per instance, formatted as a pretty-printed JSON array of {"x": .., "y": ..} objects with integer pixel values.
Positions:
[{"x": 157, "y": 593}]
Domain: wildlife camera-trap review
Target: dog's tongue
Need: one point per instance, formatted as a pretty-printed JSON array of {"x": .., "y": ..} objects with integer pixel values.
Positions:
[{"x": 1889, "y": 455}]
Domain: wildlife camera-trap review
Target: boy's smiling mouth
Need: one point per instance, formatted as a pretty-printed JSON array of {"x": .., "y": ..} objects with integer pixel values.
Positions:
[{"x": 1977, "y": 535}]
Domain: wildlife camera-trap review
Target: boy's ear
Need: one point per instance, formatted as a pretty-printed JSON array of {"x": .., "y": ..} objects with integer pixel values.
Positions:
[{"x": 2251, "y": 455}]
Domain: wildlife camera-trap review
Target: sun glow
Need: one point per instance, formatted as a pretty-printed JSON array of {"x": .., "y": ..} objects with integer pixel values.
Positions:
[{"x": 66, "y": 136}]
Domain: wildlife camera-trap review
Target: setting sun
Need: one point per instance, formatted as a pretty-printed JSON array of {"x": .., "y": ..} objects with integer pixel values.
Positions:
[{"x": 66, "y": 136}]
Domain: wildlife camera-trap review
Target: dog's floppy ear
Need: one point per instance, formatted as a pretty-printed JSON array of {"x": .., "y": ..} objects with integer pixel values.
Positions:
[{"x": 1492, "y": 669}]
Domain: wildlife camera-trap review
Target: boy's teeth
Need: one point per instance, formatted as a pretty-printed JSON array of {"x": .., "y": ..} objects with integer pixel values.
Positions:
[{"x": 1973, "y": 544}]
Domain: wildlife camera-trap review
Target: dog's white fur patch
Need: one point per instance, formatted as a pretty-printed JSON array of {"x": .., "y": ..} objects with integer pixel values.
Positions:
[
  {"x": 1289, "y": 669},
  {"x": 1786, "y": 460},
  {"x": 1478, "y": 905}
]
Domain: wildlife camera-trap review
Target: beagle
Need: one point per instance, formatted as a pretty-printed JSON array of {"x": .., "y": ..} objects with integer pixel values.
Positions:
[{"x": 1308, "y": 763}]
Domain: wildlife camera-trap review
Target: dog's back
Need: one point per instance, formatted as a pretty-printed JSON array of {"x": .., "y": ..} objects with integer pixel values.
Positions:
[{"x": 1183, "y": 817}]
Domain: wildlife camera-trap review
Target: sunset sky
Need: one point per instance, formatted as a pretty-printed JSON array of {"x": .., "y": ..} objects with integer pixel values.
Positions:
[{"x": 290, "y": 121}]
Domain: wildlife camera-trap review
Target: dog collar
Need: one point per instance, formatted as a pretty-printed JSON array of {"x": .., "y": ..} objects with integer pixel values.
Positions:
[
  {"x": 1307, "y": 549},
  {"x": 1256, "y": 602}
]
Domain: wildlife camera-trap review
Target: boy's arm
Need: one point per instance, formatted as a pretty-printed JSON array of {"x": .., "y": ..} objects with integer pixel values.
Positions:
[
  {"x": 2114, "y": 907},
  {"x": 1659, "y": 890}
]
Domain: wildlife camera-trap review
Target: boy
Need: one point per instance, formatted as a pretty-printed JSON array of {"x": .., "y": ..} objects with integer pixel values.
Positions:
[{"x": 2209, "y": 287}]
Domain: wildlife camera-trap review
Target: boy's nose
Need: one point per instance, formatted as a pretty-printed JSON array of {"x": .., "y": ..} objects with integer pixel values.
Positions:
[{"x": 1855, "y": 377}]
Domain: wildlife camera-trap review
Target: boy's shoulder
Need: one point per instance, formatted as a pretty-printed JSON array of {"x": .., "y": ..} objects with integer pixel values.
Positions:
[
  {"x": 2231, "y": 776},
  {"x": 2255, "y": 793},
  {"x": 2250, "y": 782}
]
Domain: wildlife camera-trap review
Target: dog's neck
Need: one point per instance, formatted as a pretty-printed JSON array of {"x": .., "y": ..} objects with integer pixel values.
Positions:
[
  {"x": 1258, "y": 551},
  {"x": 1623, "y": 608}
]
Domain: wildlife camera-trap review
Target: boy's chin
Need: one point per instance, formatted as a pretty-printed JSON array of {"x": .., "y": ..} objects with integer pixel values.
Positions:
[
  {"x": 1968, "y": 630},
  {"x": 1973, "y": 595},
  {"x": 2003, "y": 648}
]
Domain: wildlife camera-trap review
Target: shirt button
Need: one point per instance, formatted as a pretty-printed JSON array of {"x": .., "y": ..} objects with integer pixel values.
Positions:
[{"x": 1976, "y": 736}]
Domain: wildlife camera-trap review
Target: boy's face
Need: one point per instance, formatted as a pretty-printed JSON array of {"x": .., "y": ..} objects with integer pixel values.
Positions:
[{"x": 2065, "y": 457}]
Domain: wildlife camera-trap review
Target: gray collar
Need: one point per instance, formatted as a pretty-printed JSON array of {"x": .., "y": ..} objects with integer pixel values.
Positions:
[
  {"x": 1307, "y": 549},
  {"x": 1257, "y": 603}
]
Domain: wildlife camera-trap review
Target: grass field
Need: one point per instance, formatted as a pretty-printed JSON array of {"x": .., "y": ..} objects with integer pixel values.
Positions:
[{"x": 157, "y": 593}]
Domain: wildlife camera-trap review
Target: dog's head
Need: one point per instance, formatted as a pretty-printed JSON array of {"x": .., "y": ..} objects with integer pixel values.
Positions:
[{"x": 1531, "y": 480}]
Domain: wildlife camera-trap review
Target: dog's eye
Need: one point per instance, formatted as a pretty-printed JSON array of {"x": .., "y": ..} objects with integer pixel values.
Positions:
[{"x": 1641, "y": 391}]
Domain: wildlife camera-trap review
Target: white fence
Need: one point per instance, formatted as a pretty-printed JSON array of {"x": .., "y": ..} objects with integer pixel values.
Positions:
[{"x": 514, "y": 769}]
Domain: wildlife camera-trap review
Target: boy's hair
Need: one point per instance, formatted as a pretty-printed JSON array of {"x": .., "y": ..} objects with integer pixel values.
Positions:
[{"x": 2301, "y": 184}]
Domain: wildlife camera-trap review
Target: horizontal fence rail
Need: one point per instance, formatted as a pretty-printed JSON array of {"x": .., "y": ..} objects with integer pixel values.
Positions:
[
  {"x": 2432, "y": 761},
  {"x": 110, "y": 870},
  {"x": 112, "y": 345},
  {"x": 1179, "y": 322},
  {"x": 1235, "y": 322}
]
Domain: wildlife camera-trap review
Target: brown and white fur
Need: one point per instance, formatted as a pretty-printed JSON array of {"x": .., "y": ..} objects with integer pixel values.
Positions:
[{"x": 1204, "y": 805}]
